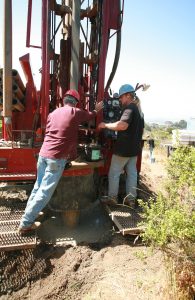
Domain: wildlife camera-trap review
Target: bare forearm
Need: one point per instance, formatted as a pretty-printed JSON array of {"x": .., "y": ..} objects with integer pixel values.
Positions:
[
  {"x": 112, "y": 126},
  {"x": 116, "y": 126}
]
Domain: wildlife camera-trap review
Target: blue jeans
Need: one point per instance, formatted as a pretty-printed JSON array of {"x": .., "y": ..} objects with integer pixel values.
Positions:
[
  {"x": 49, "y": 172},
  {"x": 151, "y": 154},
  {"x": 118, "y": 164}
]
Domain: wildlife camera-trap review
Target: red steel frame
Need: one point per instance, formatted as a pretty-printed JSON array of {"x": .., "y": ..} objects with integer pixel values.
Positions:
[{"x": 19, "y": 163}]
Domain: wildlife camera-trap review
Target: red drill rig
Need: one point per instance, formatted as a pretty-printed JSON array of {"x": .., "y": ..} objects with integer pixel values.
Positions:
[
  {"x": 78, "y": 62},
  {"x": 75, "y": 38}
]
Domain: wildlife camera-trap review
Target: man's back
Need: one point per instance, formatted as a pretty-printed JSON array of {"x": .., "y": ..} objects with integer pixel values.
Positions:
[{"x": 62, "y": 132}]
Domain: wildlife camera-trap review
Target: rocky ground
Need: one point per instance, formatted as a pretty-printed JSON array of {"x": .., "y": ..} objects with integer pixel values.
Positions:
[{"x": 121, "y": 267}]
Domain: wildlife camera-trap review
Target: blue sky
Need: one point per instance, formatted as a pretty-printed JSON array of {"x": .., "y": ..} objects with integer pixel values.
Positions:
[{"x": 158, "y": 48}]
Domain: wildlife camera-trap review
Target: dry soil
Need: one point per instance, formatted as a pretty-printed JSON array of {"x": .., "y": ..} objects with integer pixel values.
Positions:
[{"x": 121, "y": 268}]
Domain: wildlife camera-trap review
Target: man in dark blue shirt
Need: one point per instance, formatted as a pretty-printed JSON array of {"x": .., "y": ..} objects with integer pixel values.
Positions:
[{"x": 127, "y": 146}]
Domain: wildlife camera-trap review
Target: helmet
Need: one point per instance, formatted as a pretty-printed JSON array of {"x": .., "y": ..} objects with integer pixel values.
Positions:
[
  {"x": 126, "y": 88},
  {"x": 73, "y": 93}
]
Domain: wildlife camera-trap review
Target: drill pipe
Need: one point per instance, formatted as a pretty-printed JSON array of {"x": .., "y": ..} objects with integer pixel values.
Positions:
[
  {"x": 17, "y": 91},
  {"x": 7, "y": 60},
  {"x": 16, "y": 104},
  {"x": 18, "y": 80}
]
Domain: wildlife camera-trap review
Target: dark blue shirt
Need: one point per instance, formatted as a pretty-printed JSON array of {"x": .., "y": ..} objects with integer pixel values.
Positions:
[{"x": 128, "y": 141}]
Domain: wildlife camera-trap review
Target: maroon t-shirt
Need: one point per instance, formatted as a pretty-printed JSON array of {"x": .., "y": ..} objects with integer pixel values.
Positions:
[{"x": 61, "y": 134}]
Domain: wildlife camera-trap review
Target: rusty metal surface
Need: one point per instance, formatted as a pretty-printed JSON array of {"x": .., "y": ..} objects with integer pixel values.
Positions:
[
  {"x": 8, "y": 226},
  {"x": 10, "y": 215},
  {"x": 8, "y": 206},
  {"x": 125, "y": 218},
  {"x": 14, "y": 240}
]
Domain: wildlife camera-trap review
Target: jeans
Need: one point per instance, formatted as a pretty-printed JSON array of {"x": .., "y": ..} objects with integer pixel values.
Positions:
[
  {"x": 118, "y": 164},
  {"x": 49, "y": 172},
  {"x": 151, "y": 154}
]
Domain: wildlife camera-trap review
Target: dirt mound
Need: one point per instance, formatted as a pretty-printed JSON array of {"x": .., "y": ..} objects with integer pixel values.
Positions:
[{"x": 122, "y": 268}]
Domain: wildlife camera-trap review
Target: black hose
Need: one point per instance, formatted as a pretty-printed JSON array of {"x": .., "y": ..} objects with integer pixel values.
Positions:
[
  {"x": 117, "y": 55},
  {"x": 116, "y": 60}
]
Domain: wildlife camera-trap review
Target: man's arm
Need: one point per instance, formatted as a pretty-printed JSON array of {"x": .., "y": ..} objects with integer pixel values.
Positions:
[
  {"x": 116, "y": 126},
  {"x": 87, "y": 115},
  {"x": 120, "y": 125}
]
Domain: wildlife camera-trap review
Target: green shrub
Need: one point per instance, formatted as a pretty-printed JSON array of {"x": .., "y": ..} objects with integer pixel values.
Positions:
[
  {"x": 181, "y": 170},
  {"x": 169, "y": 220},
  {"x": 171, "y": 217}
]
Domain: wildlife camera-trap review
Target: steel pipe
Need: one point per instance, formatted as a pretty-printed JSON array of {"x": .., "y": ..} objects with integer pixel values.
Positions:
[
  {"x": 16, "y": 104},
  {"x": 7, "y": 59},
  {"x": 75, "y": 47},
  {"x": 18, "y": 80},
  {"x": 17, "y": 91}
]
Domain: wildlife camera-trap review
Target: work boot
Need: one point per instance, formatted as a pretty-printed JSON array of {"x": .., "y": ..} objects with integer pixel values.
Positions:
[
  {"x": 130, "y": 202},
  {"x": 27, "y": 229},
  {"x": 109, "y": 200}
]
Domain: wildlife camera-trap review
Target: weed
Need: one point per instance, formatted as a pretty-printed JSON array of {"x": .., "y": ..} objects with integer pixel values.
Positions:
[{"x": 169, "y": 219}]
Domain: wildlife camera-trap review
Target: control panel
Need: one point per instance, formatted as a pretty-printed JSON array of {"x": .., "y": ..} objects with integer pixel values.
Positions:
[{"x": 111, "y": 114}]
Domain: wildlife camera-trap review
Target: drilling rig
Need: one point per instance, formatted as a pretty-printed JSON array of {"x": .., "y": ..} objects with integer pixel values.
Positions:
[{"x": 75, "y": 38}]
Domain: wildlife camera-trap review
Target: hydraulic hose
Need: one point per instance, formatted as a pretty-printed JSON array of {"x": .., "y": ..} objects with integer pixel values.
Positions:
[{"x": 116, "y": 60}]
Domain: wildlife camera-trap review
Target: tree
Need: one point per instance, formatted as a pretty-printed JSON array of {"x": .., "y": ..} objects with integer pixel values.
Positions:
[{"x": 182, "y": 124}]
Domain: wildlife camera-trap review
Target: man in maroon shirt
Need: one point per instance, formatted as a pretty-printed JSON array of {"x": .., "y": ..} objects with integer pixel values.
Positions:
[{"x": 60, "y": 144}]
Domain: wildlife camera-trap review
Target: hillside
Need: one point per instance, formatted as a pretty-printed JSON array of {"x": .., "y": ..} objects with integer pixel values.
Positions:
[{"x": 118, "y": 268}]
